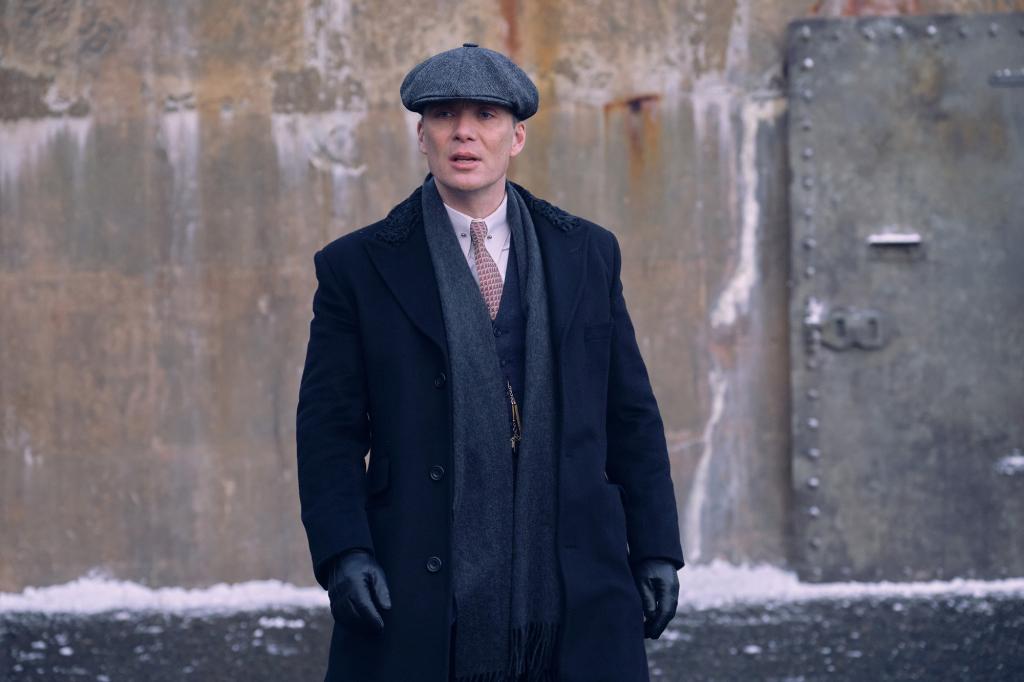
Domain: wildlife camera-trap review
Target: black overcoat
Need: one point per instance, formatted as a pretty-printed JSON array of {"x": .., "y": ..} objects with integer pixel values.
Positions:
[{"x": 376, "y": 380}]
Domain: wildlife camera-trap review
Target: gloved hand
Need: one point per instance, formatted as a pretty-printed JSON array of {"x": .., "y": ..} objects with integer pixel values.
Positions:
[
  {"x": 356, "y": 588},
  {"x": 658, "y": 583}
]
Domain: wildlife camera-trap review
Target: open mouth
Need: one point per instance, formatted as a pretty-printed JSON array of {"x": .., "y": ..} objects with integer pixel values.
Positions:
[{"x": 463, "y": 160}]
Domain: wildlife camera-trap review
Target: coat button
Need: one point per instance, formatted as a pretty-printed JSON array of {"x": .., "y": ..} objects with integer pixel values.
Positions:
[
  {"x": 439, "y": 380},
  {"x": 497, "y": 331},
  {"x": 434, "y": 564},
  {"x": 436, "y": 472}
]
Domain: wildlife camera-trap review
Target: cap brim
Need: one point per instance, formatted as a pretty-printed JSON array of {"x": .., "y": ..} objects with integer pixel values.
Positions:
[{"x": 422, "y": 102}]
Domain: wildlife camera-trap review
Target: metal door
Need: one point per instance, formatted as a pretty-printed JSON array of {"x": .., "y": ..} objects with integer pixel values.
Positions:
[{"x": 906, "y": 148}]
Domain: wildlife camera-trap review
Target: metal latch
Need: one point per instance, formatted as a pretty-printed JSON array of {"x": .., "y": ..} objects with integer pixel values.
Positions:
[
  {"x": 894, "y": 239},
  {"x": 1007, "y": 78},
  {"x": 847, "y": 328}
]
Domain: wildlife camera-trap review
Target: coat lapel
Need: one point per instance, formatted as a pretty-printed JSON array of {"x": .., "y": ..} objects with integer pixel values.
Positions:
[
  {"x": 404, "y": 264},
  {"x": 564, "y": 255},
  {"x": 398, "y": 249}
]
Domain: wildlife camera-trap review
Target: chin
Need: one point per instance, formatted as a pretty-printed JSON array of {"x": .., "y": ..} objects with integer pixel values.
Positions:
[{"x": 464, "y": 183}]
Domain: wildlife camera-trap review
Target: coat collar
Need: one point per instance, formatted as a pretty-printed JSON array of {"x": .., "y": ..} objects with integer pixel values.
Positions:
[{"x": 397, "y": 246}]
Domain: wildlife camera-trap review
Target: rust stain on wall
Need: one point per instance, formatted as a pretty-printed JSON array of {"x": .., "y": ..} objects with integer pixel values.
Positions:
[
  {"x": 642, "y": 128},
  {"x": 543, "y": 44},
  {"x": 510, "y": 11}
]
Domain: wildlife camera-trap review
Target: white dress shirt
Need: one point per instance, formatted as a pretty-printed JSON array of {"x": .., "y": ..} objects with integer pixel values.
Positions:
[{"x": 497, "y": 241}]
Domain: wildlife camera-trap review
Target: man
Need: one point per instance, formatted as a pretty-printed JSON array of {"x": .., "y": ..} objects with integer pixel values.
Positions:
[{"x": 476, "y": 342}]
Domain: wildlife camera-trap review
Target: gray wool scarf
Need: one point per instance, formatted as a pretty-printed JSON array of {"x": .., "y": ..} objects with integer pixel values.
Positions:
[{"x": 505, "y": 574}]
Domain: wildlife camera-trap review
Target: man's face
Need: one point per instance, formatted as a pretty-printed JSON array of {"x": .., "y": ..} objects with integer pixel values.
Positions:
[{"x": 469, "y": 144}]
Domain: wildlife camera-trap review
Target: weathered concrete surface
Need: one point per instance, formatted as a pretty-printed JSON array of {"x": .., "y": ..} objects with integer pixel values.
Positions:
[
  {"x": 952, "y": 638},
  {"x": 168, "y": 170}
]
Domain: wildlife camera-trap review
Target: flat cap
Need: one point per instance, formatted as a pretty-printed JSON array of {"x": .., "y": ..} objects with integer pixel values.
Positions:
[{"x": 470, "y": 72}]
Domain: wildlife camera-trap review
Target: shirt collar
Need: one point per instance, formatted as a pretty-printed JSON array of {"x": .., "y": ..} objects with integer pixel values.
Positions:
[{"x": 497, "y": 222}]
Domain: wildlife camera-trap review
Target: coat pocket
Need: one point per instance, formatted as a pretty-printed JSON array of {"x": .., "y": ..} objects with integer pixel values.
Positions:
[
  {"x": 616, "y": 526},
  {"x": 378, "y": 479},
  {"x": 621, "y": 491}
]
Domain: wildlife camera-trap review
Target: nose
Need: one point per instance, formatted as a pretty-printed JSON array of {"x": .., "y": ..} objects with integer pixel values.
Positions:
[{"x": 465, "y": 128}]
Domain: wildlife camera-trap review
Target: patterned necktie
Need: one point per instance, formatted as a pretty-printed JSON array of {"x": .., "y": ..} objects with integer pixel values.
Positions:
[{"x": 487, "y": 274}]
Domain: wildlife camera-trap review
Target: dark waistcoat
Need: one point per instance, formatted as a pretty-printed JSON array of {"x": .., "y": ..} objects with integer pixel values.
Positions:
[{"x": 510, "y": 332}]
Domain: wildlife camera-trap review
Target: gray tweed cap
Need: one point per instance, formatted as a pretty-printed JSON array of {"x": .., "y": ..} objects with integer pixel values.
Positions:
[{"x": 470, "y": 72}]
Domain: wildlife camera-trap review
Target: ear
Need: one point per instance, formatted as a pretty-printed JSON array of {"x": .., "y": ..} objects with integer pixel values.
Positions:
[
  {"x": 518, "y": 138},
  {"x": 419, "y": 135}
]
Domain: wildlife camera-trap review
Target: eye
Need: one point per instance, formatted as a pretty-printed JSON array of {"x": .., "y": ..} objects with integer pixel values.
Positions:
[{"x": 487, "y": 113}]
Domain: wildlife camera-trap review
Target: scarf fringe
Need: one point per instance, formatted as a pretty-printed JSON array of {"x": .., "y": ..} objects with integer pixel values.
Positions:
[{"x": 533, "y": 647}]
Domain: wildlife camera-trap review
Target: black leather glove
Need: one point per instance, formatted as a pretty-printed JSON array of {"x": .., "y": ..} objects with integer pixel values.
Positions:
[
  {"x": 658, "y": 583},
  {"x": 357, "y": 589}
]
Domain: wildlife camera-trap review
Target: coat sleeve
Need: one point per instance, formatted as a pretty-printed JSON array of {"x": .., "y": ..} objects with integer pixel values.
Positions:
[
  {"x": 637, "y": 452},
  {"x": 332, "y": 426}
]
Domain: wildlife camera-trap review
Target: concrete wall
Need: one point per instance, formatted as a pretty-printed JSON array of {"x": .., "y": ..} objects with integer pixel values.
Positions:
[{"x": 168, "y": 169}]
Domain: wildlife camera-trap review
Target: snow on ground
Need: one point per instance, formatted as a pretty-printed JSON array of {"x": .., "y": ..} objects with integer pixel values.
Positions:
[
  {"x": 721, "y": 584},
  {"x": 710, "y": 586},
  {"x": 95, "y": 593}
]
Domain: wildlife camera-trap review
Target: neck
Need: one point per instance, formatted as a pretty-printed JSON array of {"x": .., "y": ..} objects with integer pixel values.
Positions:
[{"x": 478, "y": 203}]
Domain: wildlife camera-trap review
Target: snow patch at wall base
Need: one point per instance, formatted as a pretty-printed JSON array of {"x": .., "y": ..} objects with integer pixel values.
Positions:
[
  {"x": 96, "y": 594},
  {"x": 711, "y": 586},
  {"x": 720, "y": 585}
]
